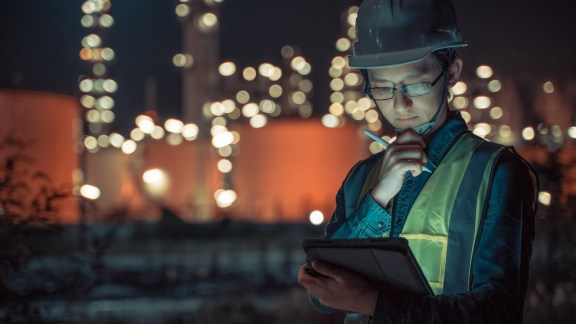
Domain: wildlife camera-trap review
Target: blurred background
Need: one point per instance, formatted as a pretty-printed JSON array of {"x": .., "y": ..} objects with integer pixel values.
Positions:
[{"x": 161, "y": 161}]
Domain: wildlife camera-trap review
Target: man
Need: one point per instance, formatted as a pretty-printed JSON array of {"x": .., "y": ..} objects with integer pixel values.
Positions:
[{"x": 469, "y": 223}]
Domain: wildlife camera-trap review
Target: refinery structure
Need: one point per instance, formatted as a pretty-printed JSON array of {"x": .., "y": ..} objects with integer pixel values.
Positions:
[{"x": 252, "y": 143}]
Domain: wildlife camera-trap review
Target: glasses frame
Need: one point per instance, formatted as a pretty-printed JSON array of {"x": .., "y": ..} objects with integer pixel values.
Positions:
[{"x": 404, "y": 88}]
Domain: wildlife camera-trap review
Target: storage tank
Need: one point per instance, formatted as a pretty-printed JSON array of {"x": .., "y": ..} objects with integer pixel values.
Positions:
[
  {"x": 291, "y": 167},
  {"x": 49, "y": 122}
]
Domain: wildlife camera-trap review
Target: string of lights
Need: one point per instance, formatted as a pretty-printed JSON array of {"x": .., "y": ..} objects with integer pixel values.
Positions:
[{"x": 96, "y": 86}]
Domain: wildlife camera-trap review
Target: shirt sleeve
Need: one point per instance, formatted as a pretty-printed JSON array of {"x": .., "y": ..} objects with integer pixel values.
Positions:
[{"x": 500, "y": 263}]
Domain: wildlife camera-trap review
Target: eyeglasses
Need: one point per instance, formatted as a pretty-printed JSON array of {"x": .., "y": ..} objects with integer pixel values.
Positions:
[{"x": 409, "y": 90}]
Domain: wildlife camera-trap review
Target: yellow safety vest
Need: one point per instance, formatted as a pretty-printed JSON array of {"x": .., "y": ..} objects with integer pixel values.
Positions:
[{"x": 442, "y": 224}]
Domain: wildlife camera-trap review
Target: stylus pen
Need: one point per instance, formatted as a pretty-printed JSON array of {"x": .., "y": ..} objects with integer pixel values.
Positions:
[{"x": 386, "y": 144}]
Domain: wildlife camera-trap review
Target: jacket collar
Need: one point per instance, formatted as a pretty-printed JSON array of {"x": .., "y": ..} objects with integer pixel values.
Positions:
[{"x": 443, "y": 139}]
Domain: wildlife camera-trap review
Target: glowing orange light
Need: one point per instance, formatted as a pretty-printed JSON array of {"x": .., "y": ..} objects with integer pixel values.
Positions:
[{"x": 85, "y": 54}]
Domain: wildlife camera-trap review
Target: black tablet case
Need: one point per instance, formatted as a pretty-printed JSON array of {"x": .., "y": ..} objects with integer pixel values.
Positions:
[{"x": 387, "y": 261}]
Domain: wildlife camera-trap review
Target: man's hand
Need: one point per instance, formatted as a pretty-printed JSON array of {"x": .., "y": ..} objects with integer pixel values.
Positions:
[
  {"x": 339, "y": 288},
  {"x": 406, "y": 154}
]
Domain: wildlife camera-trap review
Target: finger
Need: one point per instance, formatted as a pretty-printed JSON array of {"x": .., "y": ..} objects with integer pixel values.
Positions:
[
  {"x": 409, "y": 137},
  {"x": 395, "y": 150},
  {"x": 404, "y": 146},
  {"x": 412, "y": 166},
  {"x": 328, "y": 270},
  {"x": 408, "y": 152},
  {"x": 309, "y": 281},
  {"x": 416, "y": 172},
  {"x": 302, "y": 273},
  {"x": 304, "y": 276},
  {"x": 403, "y": 154}
]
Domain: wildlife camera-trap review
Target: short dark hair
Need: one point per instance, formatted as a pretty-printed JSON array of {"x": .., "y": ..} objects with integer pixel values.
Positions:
[{"x": 446, "y": 57}]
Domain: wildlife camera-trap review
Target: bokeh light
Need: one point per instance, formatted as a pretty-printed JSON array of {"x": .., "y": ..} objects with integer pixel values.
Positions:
[
  {"x": 208, "y": 22},
  {"x": 494, "y": 86},
  {"x": 182, "y": 60},
  {"x": 528, "y": 133},
  {"x": 330, "y": 121},
  {"x": 496, "y": 113},
  {"x": 459, "y": 88},
  {"x": 249, "y": 73},
  {"x": 548, "y": 87},
  {"x": 190, "y": 131},
  {"x": 173, "y": 125},
  {"x": 316, "y": 217},
  {"x": 225, "y": 198},
  {"x": 258, "y": 121},
  {"x": 145, "y": 123},
  {"x": 482, "y": 129},
  {"x": 484, "y": 72},
  {"x": 224, "y": 165},
  {"x": 572, "y": 131},
  {"x": 153, "y": 176},
  {"x": 545, "y": 198},
  {"x": 222, "y": 139},
  {"x": 482, "y": 102},
  {"x": 129, "y": 147},
  {"x": 227, "y": 68},
  {"x": 90, "y": 192}
]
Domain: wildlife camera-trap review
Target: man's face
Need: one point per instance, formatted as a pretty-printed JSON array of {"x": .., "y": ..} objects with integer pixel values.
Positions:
[{"x": 410, "y": 112}]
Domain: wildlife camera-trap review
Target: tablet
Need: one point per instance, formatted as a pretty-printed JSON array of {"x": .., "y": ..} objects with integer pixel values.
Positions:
[{"x": 388, "y": 262}]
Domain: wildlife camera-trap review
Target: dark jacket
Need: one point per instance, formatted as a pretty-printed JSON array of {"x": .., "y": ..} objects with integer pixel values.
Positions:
[{"x": 503, "y": 247}]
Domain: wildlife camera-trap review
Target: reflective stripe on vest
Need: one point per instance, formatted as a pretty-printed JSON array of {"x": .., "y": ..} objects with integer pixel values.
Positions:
[{"x": 442, "y": 224}]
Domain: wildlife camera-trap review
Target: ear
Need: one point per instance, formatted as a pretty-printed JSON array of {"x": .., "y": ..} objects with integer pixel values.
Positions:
[{"x": 454, "y": 72}]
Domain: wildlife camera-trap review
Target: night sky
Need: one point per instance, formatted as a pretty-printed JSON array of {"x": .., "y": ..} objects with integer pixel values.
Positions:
[{"x": 39, "y": 42}]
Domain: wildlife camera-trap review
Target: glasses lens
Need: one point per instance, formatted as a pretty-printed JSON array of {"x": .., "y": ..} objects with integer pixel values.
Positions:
[
  {"x": 418, "y": 89},
  {"x": 381, "y": 93}
]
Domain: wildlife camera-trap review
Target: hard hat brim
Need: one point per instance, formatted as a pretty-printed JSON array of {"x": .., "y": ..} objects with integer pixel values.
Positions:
[{"x": 384, "y": 60}]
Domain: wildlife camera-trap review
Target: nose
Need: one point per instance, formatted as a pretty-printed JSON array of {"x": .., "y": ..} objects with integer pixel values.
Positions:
[{"x": 401, "y": 100}]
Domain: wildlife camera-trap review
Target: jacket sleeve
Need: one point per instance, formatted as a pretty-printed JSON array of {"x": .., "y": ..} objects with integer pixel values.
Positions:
[
  {"x": 500, "y": 263},
  {"x": 342, "y": 213},
  {"x": 339, "y": 217}
]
